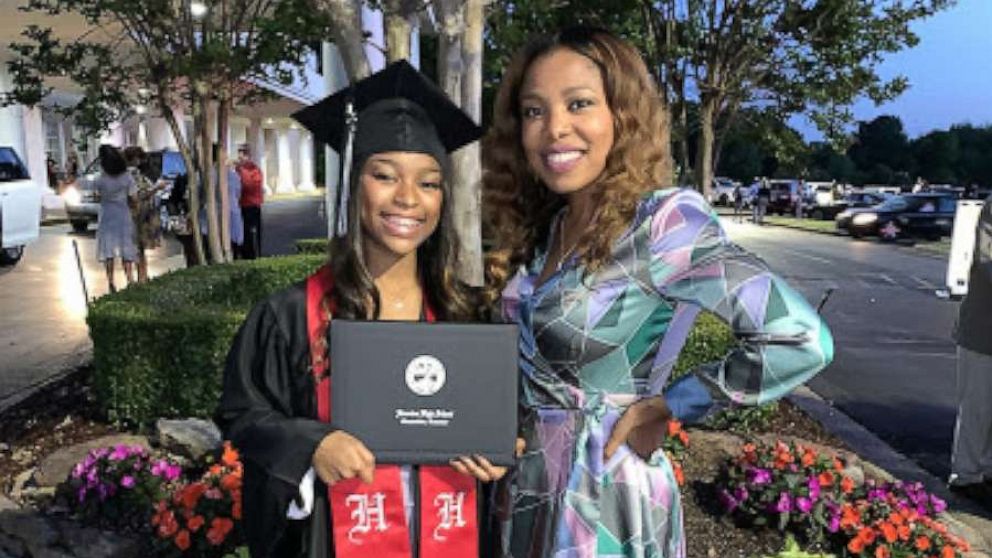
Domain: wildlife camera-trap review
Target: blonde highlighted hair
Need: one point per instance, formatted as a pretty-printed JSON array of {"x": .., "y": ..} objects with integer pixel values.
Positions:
[{"x": 518, "y": 208}]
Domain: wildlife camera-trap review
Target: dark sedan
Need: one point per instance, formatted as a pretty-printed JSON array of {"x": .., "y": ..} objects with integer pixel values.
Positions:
[
  {"x": 849, "y": 201},
  {"x": 929, "y": 216}
]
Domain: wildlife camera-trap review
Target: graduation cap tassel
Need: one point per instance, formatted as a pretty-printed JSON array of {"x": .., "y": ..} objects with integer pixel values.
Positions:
[{"x": 351, "y": 121}]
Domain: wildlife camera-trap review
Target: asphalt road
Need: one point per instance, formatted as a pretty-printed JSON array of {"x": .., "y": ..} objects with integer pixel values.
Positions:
[
  {"x": 43, "y": 329},
  {"x": 894, "y": 365}
]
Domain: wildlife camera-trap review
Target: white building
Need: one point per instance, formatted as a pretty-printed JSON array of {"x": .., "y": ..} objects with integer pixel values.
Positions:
[{"x": 285, "y": 152}]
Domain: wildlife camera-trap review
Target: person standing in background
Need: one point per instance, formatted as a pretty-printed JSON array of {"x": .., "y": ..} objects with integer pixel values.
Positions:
[
  {"x": 251, "y": 203},
  {"x": 971, "y": 455}
]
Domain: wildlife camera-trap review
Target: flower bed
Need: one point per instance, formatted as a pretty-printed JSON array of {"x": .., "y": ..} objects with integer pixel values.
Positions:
[{"x": 795, "y": 489}]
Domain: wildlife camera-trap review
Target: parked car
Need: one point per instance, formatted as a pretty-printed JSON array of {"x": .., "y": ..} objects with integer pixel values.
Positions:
[
  {"x": 20, "y": 207},
  {"x": 723, "y": 191},
  {"x": 824, "y": 209},
  {"x": 911, "y": 215},
  {"x": 82, "y": 201},
  {"x": 783, "y": 196}
]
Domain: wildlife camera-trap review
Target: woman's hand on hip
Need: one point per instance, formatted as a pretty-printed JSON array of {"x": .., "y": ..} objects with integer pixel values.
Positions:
[
  {"x": 341, "y": 456},
  {"x": 642, "y": 427}
]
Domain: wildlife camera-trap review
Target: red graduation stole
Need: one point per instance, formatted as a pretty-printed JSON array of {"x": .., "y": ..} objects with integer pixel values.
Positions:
[{"x": 369, "y": 520}]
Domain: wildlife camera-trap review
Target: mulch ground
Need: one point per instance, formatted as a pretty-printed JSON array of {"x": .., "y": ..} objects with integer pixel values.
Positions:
[{"x": 65, "y": 413}]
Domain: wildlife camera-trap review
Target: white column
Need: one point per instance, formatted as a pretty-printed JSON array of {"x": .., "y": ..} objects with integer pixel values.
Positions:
[
  {"x": 306, "y": 162},
  {"x": 143, "y": 135},
  {"x": 160, "y": 134},
  {"x": 34, "y": 146},
  {"x": 255, "y": 138},
  {"x": 375, "y": 45},
  {"x": 284, "y": 179},
  {"x": 114, "y": 136}
]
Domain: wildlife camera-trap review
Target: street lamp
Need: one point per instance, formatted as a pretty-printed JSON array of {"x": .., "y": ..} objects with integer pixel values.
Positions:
[{"x": 197, "y": 9}]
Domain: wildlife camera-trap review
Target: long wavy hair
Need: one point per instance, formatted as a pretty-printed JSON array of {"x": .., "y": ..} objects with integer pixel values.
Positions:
[
  {"x": 355, "y": 294},
  {"x": 518, "y": 208}
]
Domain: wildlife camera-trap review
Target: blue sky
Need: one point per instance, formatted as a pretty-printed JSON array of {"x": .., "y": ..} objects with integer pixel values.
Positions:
[{"x": 949, "y": 72}]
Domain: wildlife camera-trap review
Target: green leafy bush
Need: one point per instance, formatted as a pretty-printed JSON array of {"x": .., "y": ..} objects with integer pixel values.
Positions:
[
  {"x": 159, "y": 348},
  {"x": 709, "y": 341},
  {"x": 311, "y": 246}
]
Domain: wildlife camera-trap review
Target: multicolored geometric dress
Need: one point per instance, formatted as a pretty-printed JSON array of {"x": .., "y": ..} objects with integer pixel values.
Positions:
[{"x": 589, "y": 346}]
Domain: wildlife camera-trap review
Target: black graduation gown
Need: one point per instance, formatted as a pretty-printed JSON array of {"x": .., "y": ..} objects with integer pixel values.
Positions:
[{"x": 268, "y": 410}]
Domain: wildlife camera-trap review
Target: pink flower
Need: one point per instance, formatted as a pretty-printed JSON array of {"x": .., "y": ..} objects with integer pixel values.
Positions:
[
  {"x": 804, "y": 504},
  {"x": 127, "y": 481},
  {"x": 814, "y": 488},
  {"x": 759, "y": 476},
  {"x": 784, "y": 503}
]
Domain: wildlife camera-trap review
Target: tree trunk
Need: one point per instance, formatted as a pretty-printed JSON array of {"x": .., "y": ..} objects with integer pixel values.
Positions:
[
  {"x": 704, "y": 150},
  {"x": 397, "y": 37},
  {"x": 346, "y": 31},
  {"x": 467, "y": 197},
  {"x": 451, "y": 22},
  {"x": 207, "y": 172},
  {"x": 223, "y": 110},
  {"x": 192, "y": 183}
]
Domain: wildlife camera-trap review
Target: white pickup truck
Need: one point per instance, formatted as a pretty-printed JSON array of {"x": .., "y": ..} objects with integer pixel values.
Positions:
[{"x": 20, "y": 207}]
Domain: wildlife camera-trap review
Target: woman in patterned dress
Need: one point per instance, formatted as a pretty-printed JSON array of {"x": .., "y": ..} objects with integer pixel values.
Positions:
[{"x": 605, "y": 273}]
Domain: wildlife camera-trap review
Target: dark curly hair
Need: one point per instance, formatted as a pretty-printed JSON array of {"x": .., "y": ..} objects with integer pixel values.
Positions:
[
  {"x": 518, "y": 208},
  {"x": 111, "y": 160},
  {"x": 355, "y": 294}
]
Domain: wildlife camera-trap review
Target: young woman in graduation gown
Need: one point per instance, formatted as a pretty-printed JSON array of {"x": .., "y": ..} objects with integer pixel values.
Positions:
[{"x": 393, "y": 258}]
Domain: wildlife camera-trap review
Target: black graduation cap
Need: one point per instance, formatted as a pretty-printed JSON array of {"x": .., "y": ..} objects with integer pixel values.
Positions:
[{"x": 395, "y": 109}]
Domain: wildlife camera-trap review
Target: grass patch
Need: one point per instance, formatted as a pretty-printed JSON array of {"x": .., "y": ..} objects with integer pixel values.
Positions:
[{"x": 813, "y": 225}]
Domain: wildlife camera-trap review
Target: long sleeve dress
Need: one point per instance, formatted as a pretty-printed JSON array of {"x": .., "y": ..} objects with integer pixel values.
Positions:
[{"x": 589, "y": 344}]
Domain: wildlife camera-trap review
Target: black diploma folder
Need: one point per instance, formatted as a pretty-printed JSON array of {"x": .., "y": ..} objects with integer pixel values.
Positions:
[{"x": 424, "y": 393}]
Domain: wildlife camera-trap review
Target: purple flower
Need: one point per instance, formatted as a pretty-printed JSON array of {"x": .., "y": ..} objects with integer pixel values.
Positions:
[
  {"x": 758, "y": 476},
  {"x": 834, "y": 524},
  {"x": 127, "y": 481},
  {"x": 163, "y": 468},
  {"x": 938, "y": 505},
  {"x": 814, "y": 488},
  {"x": 120, "y": 453},
  {"x": 784, "y": 503},
  {"x": 804, "y": 504},
  {"x": 740, "y": 494},
  {"x": 729, "y": 502}
]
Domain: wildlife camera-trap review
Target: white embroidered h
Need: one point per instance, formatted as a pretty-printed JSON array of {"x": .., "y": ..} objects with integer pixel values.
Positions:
[
  {"x": 450, "y": 511},
  {"x": 369, "y": 514}
]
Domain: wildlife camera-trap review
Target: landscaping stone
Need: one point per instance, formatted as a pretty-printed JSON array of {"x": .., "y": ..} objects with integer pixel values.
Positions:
[
  {"x": 31, "y": 529},
  {"x": 10, "y": 546},
  {"x": 982, "y": 529},
  {"x": 56, "y": 467},
  {"x": 192, "y": 438},
  {"x": 94, "y": 543},
  {"x": 875, "y": 472},
  {"x": 21, "y": 483},
  {"x": 27, "y": 534},
  {"x": 6, "y": 504}
]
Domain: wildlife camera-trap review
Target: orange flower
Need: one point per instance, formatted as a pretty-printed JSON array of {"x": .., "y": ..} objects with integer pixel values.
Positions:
[
  {"x": 216, "y": 469},
  {"x": 230, "y": 482},
  {"x": 896, "y": 519},
  {"x": 230, "y": 455},
  {"x": 850, "y": 517},
  {"x": 904, "y": 532},
  {"x": 236, "y": 509},
  {"x": 182, "y": 540},
  {"x": 674, "y": 427},
  {"x": 809, "y": 458},
  {"x": 167, "y": 525},
  {"x": 684, "y": 438},
  {"x": 826, "y": 478},
  {"x": 679, "y": 474},
  {"x": 882, "y": 551},
  {"x": 219, "y": 528},
  {"x": 847, "y": 485},
  {"x": 856, "y": 545},
  {"x": 922, "y": 542},
  {"x": 190, "y": 495},
  {"x": 195, "y": 523},
  {"x": 838, "y": 464},
  {"x": 947, "y": 552},
  {"x": 867, "y": 534},
  {"x": 889, "y": 532}
]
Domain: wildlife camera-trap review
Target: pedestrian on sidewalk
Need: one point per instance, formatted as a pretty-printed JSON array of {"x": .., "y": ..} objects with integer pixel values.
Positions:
[
  {"x": 761, "y": 202},
  {"x": 738, "y": 204},
  {"x": 251, "y": 203},
  {"x": 145, "y": 211},
  {"x": 115, "y": 235},
  {"x": 800, "y": 198},
  {"x": 971, "y": 456}
]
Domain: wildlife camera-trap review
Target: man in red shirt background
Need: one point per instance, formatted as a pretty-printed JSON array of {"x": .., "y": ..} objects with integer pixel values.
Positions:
[{"x": 251, "y": 203}]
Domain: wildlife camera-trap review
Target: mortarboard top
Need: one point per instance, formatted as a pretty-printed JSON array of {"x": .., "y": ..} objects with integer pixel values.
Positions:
[
  {"x": 396, "y": 109},
  {"x": 326, "y": 118}
]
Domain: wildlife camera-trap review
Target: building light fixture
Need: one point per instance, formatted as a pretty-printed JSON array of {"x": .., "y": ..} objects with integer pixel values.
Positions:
[{"x": 197, "y": 9}]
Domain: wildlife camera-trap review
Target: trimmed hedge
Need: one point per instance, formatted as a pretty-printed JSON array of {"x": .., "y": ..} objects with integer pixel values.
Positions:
[
  {"x": 159, "y": 348},
  {"x": 311, "y": 246}
]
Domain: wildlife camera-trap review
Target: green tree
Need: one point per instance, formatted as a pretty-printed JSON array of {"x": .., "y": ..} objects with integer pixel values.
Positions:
[
  {"x": 162, "y": 54},
  {"x": 881, "y": 150}
]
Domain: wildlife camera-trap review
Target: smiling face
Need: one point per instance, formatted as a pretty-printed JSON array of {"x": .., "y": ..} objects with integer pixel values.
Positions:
[
  {"x": 566, "y": 122},
  {"x": 400, "y": 199}
]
